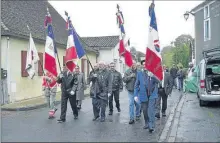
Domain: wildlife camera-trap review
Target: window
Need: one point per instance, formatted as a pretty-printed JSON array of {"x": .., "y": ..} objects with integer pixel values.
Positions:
[
  {"x": 38, "y": 66},
  {"x": 207, "y": 30},
  {"x": 207, "y": 24},
  {"x": 206, "y": 12}
]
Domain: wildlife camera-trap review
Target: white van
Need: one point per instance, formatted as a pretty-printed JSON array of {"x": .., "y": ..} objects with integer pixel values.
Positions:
[{"x": 208, "y": 77}]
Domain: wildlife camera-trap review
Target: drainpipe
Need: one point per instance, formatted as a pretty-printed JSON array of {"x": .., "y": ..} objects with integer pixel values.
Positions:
[{"x": 8, "y": 66}]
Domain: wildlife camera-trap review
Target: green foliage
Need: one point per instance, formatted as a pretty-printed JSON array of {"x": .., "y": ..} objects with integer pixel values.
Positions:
[{"x": 179, "y": 54}]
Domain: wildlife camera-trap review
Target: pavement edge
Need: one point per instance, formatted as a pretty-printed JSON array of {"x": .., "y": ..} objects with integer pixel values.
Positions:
[
  {"x": 168, "y": 130},
  {"x": 27, "y": 108}
]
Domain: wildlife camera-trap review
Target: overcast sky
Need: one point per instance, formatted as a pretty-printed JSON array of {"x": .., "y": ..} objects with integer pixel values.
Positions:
[{"x": 97, "y": 18}]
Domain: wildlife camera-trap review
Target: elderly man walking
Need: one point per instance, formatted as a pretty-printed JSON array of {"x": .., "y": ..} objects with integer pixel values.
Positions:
[
  {"x": 165, "y": 89},
  {"x": 68, "y": 81},
  {"x": 129, "y": 79},
  {"x": 117, "y": 86},
  {"x": 80, "y": 88},
  {"x": 101, "y": 90}
]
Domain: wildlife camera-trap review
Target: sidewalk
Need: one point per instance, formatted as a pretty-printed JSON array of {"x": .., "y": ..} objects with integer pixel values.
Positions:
[
  {"x": 33, "y": 103},
  {"x": 192, "y": 123}
]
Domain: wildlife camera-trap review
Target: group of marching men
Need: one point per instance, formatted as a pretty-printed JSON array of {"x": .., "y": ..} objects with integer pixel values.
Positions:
[{"x": 144, "y": 90}]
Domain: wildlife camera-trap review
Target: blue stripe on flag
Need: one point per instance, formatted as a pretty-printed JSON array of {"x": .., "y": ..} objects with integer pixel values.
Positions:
[
  {"x": 80, "y": 51},
  {"x": 51, "y": 35},
  {"x": 153, "y": 21}
]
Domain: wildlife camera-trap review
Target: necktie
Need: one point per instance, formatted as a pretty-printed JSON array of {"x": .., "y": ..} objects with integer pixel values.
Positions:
[{"x": 148, "y": 86}]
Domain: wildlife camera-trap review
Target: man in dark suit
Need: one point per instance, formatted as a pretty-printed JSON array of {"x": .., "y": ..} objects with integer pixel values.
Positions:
[
  {"x": 69, "y": 84},
  {"x": 165, "y": 89}
]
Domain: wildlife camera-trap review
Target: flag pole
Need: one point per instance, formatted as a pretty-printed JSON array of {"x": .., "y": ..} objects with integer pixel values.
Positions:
[
  {"x": 83, "y": 48},
  {"x": 54, "y": 43}
]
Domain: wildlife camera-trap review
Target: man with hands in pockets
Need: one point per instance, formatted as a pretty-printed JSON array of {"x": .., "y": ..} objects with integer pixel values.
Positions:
[{"x": 69, "y": 84}]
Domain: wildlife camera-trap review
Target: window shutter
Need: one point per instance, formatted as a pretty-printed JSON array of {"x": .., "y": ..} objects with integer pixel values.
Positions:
[
  {"x": 23, "y": 64},
  {"x": 83, "y": 65},
  {"x": 40, "y": 64}
]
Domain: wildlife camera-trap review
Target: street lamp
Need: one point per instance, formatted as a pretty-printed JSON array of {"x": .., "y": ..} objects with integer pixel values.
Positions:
[{"x": 186, "y": 15}]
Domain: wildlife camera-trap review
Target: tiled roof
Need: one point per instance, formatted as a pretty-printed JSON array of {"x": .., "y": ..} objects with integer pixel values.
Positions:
[
  {"x": 17, "y": 14},
  {"x": 102, "y": 41}
]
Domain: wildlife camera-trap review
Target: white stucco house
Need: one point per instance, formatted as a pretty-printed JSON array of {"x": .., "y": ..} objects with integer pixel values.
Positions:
[{"x": 108, "y": 50}]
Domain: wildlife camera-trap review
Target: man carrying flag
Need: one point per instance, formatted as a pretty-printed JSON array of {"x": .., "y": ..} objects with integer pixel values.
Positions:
[
  {"x": 32, "y": 58},
  {"x": 49, "y": 80},
  {"x": 68, "y": 79},
  {"x": 154, "y": 66}
]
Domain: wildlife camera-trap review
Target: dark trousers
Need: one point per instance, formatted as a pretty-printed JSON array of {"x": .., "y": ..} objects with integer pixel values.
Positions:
[
  {"x": 161, "y": 95},
  {"x": 99, "y": 104},
  {"x": 174, "y": 82},
  {"x": 116, "y": 97},
  {"x": 72, "y": 100},
  {"x": 144, "y": 108}
]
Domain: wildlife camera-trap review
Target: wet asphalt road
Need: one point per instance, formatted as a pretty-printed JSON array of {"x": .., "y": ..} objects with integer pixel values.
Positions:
[
  {"x": 199, "y": 124},
  {"x": 33, "y": 126}
]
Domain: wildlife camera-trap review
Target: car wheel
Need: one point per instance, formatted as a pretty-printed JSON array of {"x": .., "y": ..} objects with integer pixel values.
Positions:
[{"x": 202, "y": 103}]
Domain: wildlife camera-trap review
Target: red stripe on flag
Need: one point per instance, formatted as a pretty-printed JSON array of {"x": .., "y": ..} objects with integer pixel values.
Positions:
[
  {"x": 50, "y": 64},
  {"x": 128, "y": 58},
  {"x": 71, "y": 55},
  {"x": 153, "y": 63},
  {"x": 121, "y": 47}
]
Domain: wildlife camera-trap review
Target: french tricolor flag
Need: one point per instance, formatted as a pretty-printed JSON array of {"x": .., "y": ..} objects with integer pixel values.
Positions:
[
  {"x": 153, "y": 60},
  {"x": 124, "y": 42},
  {"x": 50, "y": 49},
  {"x": 71, "y": 56}
]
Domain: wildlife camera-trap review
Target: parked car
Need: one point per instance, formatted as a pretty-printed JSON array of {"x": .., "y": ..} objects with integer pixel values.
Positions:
[{"x": 208, "y": 75}]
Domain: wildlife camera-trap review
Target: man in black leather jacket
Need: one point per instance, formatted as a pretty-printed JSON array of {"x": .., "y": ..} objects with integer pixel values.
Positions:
[
  {"x": 117, "y": 86},
  {"x": 69, "y": 85},
  {"x": 102, "y": 89},
  {"x": 129, "y": 79}
]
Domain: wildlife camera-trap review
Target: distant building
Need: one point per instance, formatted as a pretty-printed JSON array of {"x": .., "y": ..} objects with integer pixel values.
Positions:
[{"x": 207, "y": 27}]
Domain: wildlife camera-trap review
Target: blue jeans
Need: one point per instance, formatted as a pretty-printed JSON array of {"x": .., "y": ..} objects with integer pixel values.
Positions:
[
  {"x": 151, "y": 113},
  {"x": 131, "y": 106},
  {"x": 180, "y": 81}
]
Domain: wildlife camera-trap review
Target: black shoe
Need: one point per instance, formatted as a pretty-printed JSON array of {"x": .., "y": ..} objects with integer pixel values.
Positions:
[
  {"x": 145, "y": 127},
  {"x": 131, "y": 122},
  {"x": 157, "y": 115},
  {"x": 119, "y": 110},
  {"x": 75, "y": 116},
  {"x": 110, "y": 113},
  {"x": 163, "y": 114},
  {"x": 102, "y": 120},
  {"x": 95, "y": 118},
  {"x": 61, "y": 120},
  {"x": 138, "y": 118},
  {"x": 151, "y": 130}
]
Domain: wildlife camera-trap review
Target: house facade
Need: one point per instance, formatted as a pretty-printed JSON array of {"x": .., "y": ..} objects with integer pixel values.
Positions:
[
  {"x": 207, "y": 27},
  {"x": 108, "y": 50},
  {"x": 16, "y": 15}
]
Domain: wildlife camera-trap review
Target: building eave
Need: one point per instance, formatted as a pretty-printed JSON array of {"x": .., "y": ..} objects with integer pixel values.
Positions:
[{"x": 201, "y": 5}]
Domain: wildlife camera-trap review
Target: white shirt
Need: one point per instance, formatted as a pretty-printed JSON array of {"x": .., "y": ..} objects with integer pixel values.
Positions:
[{"x": 163, "y": 81}]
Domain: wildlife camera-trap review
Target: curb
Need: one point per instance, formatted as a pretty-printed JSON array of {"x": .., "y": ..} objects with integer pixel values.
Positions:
[
  {"x": 167, "y": 128},
  {"x": 174, "y": 129},
  {"x": 27, "y": 108}
]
